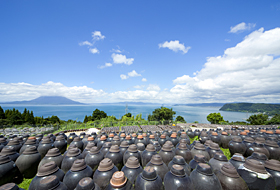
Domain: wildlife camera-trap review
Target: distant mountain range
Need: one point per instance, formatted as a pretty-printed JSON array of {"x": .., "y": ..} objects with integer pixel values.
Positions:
[
  {"x": 202, "y": 104},
  {"x": 47, "y": 100}
]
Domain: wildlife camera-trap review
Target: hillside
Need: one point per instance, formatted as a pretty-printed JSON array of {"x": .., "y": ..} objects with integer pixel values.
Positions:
[
  {"x": 47, "y": 100},
  {"x": 269, "y": 109}
]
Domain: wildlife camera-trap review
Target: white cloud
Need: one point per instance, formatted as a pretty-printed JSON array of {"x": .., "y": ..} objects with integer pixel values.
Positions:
[
  {"x": 119, "y": 59},
  {"x": 241, "y": 27},
  {"x": 106, "y": 65},
  {"x": 85, "y": 43},
  {"x": 96, "y": 35},
  {"x": 174, "y": 46},
  {"x": 139, "y": 86},
  {"x": 124, "y": 77},
  {"x": 144, "y": 79},
  {"x": 134, "y": 74},
  {"x": 153, "y": 87},
  {"x": 94, "y": 50}
]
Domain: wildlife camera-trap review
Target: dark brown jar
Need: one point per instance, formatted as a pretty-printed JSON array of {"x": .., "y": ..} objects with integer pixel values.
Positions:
[
  {"x": 225, "y": 138},
  {"x": 183, "y": 151},
  {"x": 132, "y": 169},
  {"x": 89, "y": 139},
  {"x": 236, "y": 160},
  {"x": 273, "y": 149},
  {"x": 10, "y": 152},
  {"x": 52, "y": 155},
  {"x": 213, "y": 149},
  {"x": 217, "y": 162},
  {"x": 166, "y": 153},
  {"x": 87, "y": 148},
  {"x": 44, "y": 146},
  {"x": 31, "y": 141},
  {"x": 258, "y": 156},
  {"x": 158, "y": 165},
  {"x": 196, "y": 160},
  {"x": 104, "y": 173},
  {"x": 207, "y": 143},
  {"x": 236, "y": 146},
  {"x": 179, "y": 160},
  {"x": 28, "y": 162},
  {"x": 140, "y": 148},
  {"x": 147, "y": 154},
  {"x": 197, "y": 132},
  {"x": 8, "y": 170},
  {"x": 87, "y": 183},
  {"x": 105, "y": 148},
  {"x": 140, "y": 139},
  {"x": 174, "y": 139},
  {"x": 204, "y": 178},
  {"x": 229, "y": 178},
  {"x": 200, "y": 149},
  {"x": 119, "y": 182},
  {"x": 215, "y": 138},
  {"x": 148, "y": 180},
  {"x": 72, "y": 155},
  {"x": 255, "y": 175},
  {"x": 78, "y": 142},
  {"x": 60, "y": 143},
  {"x": 190, "y": 133},
  {"x": 257, "y": 146},
  {"x": 273, "y": 167},
  {"x": 14, "y": 143},
  {"x": 78, "y": 171},
  {"x": 70, "y": 138},
  {"x": 10, "y": 186},
  {"x": 102, "y": 141},
  {"x": 123, "y": 147},
  {"x": 129, "y": 140},
  {"x": 53, "y": 183},
  {"x": 157, "y": 146},
  {"x": 131, "y": 151},
  {"x": 162, "y": 140},
  {"x": 176, "y": 179},
  {"x": 116, "y": 141},
  {"x": 93, "y": 158},
  {"x": 243, "y": 135},
  {"x": 248, "y": 141},
  {"x": 115, "y": 155}
]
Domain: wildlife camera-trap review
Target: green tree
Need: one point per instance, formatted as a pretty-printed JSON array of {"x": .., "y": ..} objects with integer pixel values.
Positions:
[
  {"x": 215, "y": 118},
  {"x": 97, "y": 115},
  {"x": 161, "y": 114},
  {"x": 180, "y": 119},
  {"x": 2, "y": 113},
  {"x": 86, "y": 119},
  {"x": 259, "y": 119},
  {"x": 274, "y": 120}
]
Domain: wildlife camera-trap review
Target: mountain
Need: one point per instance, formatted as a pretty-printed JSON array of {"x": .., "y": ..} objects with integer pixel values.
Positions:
[
  {"x": 203, "y": 104},
  {"x": 47, "y": 100}
]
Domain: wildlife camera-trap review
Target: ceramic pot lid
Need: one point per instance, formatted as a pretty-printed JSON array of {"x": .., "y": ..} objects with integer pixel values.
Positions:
[
  {"x": 124, "y": 144},
  {"x": 30, "y": 141},
  {"x": 114, "y": 148},
  {"x": 72, "y": 146},
  {"x": 179, "y": 160},
  {"x": 4, "y": 159},
  {"x": 77, "y": 139},
  {"x": 238, "y": 157},
  {"x": 122, "y": 135},
  {"x": 272, "y": 164},
  {"x": 13, "y": 142},
  {"x": 46, "y": 141},
  {"x": 89, "y": 146},
  {"x": 85, "y": 184},
  {"x": 260, "y": 140},
  {"x": 152, "y": 136},
  {"x": 134, "y": 135},
  {"x": 224, "y": 133},
  {"x": 132, "y": 148},
  {"x": 156, "y": 160},
  {"x": 9, "y": 186},
  {"x": 177, "y": 170},
  {"x": 174, "y": 135},
  {"x": 2, "y": 140},
  {"x": 78, "y": 165},
  {"x": 243, "y": 133},
  {"x": 166, "y": 147},
  {"x": 107, "y": 145},
  {"x": 214, "y": 146},
  {"x": 162, "y": 136},
  {"x": 118, "y": 179},
  {"x": 8, "y": 151},
  {"x": 132, "y": 162},
  {"x": 144, "y": 134},
  {"x": 204, "y": 169},
  {"x": 199, "y": 158},
  {"x": 128, "y": 137},
  {"x": 49, "y": 182},
  {"x": 149, "y": 173},
  {"x": 199, "y": 146},
  {"x": 90, "y": 139},
  {"x": 259, "y": 156},
  {"x": 255, "y": 166},
  {"x": 214, "y": 134},
  {"x": 271, "y": 143},
  {"x": 208, "y": 142},
  {"x": 94, "y": 150},
  {"x": 105, "y": 165},
  {"x": 229, "y": 170},
  {"x": 249, "y": 139},
  {"x": 221, "y": 157},
  {"x": 73, "y": 152},
  {"x": 116, "y": 138},
  {"x": 53, "y": 152},
  {"x": 140, "y": 146},
  {"x": 140, "y": 137},
  {"x": 30, "y": 150},
  {"x": 182, "y": 146},
  {"x": 60, "y": 138},
  {"x": 236, "y": 139},
  {"x": 183, "y": 141},
  {"x": 47, "y": 169},
  {"x": 150, "y": 148},
  {"x": 103, "y": 138}
]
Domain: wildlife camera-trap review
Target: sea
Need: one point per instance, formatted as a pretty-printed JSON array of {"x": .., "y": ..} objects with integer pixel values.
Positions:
[{"x": 78, "y": 112}]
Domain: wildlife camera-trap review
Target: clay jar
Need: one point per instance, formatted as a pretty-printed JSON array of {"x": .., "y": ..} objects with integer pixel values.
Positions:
[
  {"x": 215, "y": 138},
  {"x": 157, "y": 146},
  {"x": 273, "y": 167},
  {"x": 248, "y": 141},
  {"x": 174, "y": 139},
  {"x": 203, "y": 137},
  {"x": 237, "y": 160},
  {"x": 159, "y": 165},
  {"x": 258, "y": 156},
  {"x": 236, "y": 146},
  {"x": 115, "y": 155},
  {"x": 44, "y": 146},
  {"x": 72, "y": 155},
  {"x": 104, "y": 173},
  {"x": 3, "y": 141},
  {"x": 101, "y": 142},
  {"x": 123, "y": 147},
  {"x": 230, "y": 179},
  {"x": 183, "y": 151},
  {"x": 60, "y": 143},
  {"x": 129, "y": 140},
  {"x": 105, "y": 148},
  {"x": 148, "y": 180},
  {"x": 87, "y": 140},
  {"x": 140, "y": 148},
  {"x": 162, "y": 140},
  {"x": 179, "y": 160},
  {"x": 217, "y": 162},
  {"x": 70, "y": 138},
  {"x": 10, "y": 186},
  {"x": 14, "y": 143},
  {"x": 255, "y": 175},
  {"x": 87, "y": 148},
  {"x": 147, "y": 154},
  {"x": 78, "y": 142},
  {"x": 203, "y": 178},
  {"x": 122, "y": 137},
  {"x": 200, "y": 149},
  {"x": 131, "y": 151},
  {"x": 273, "y": 149},
  {"x": 78, "y": 171},
  {"x": 196, "y": 160},
  {"x": 10, "y": 152},
  {"x": 31, "y": 141},
  {"x": 166, "y": 153},
  {"x": 140, "y": 139},
  {"x": 8, "y": 170},
  {"x": 28, "y": 162},
  {"x": 177, "y": 179},
  {"x": 132, "y": 169},
  {"x": 87, "y": 183},
  {"x": 224, "y": 139},
  {"x": 93, "y": 158},
  {"x": 243, "y": 135},
  {"x": 119, "y": 182},
  {"x": 213, "y": 149},
  {"x": 257, "y": 146},
  {"x": 110, "y": 138},
  {"x": 52, "y": 155},
  {"x": 46, "y": 170},
  {"x": 190, "y": 133},
  {"x": 116, "y": 141},
  {"x": 207, "y": 143},
  {"x": 51, "y": 182}
]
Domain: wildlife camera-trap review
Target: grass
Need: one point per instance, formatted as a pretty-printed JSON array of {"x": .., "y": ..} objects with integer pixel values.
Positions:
[
  {"x": 25, "y": 183},
  {"x": 226, "y": 152}
]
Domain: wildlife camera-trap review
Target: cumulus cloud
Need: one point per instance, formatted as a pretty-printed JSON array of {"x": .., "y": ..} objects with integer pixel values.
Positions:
[
  {"x": 134, "y": 74},
  {"x": 153, "y": 87},
  {"x": 241, "y": 27},
  {"x": 93, "y": 50},
  {"x": 96, "y": 35},
  {"x": 106, "y": 65},
  {"x": 175, "y": 46},
  {"x": 85, "y": 43},
  {"x": 121, "y": 59},
  {"x": 124, "y": 77},
  {"x": 139, "y": 86},
  {"x": 144, "y": 79}
]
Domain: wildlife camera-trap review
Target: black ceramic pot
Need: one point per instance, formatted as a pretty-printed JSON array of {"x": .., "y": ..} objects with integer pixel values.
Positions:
[
  {"x": 87, "y": 148},
  {"x": 87, "y": 183},
  {"x": 102, "y": 141},
  {"x": 31, "y": 141},
  {"x": 216, "y": 138},
  {"x": 258, "y": 156},
  {"x": 236, "y": 146},
  {"x": 237, "y": 160},
  {"x": 230, "y": 179},
  {"x": 224, "y": 139},
  {"x": 158, "y": 165},
  {"x": 147, "y": 154},
  {"x": 116, "y": 156},
  {"x": 200, "y": 149},
  {"x": 123, "y": 147},
  {"x": 132, "y": 169},
  {"x": 190, "y": 133},
  {"x": 148, "y": 180},
  {"x": 273, "y": 167},
  {"x": 179, "y": 160},
  {"x": 119, "y": 182},
  {"x": 116, "y": 141},
  {"x": 204, "y": 178},
  {"x": 10, "y": 152},
  {"x": 72, "y": 155},
  {"x": 217, "y": 162},
  {"x": 157, "y": 146},
  {"x": 140, "y": 139},
  {"x": 105, "y": 148},
  {"x": 176, "y": 179},
  {"x": 51, "y": 182},
  {"x": 174, "y": 139},
  {"x": 257, "y": 146},
  {"x": 104, "y": 173},
  {"x": 248, "y": 141},
  {"x": 162, "y": 140},
  {"x": 93, "y": 158},
  {"x": 140, "y": 148},
  {"x": 10, "y": 186},
  {"x": 8, "y": 170},
  {"x": 166, "y": 153},
  {"x": 52, "y": 155},
  {"x": 183, "y": 151},
  {"x": 88, "y": 140},
  {"x": 213, "y": 149},
  {"x": 44, "y": 146},
  {"x": 131, "y": 151},
  {"x": 28, "y": 162},
  {"x": 78, "y": 171},
  {"x": 273, "y": 149},
  {"x": 78, "y": 142},
  {"x": 60, "y": 143},
  {"x": 14, "y": 143},
  {"x": 70, "y": 138},
  {"x": 255, "y": 175},
  {"x": 196, "y": 160}
]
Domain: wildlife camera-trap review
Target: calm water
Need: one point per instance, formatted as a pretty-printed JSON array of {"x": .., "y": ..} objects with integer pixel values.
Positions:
[{"x": 190, "y": 113}]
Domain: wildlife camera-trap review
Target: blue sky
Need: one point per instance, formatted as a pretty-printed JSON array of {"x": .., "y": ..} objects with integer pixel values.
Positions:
[{"x": 155, "y": 51}]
